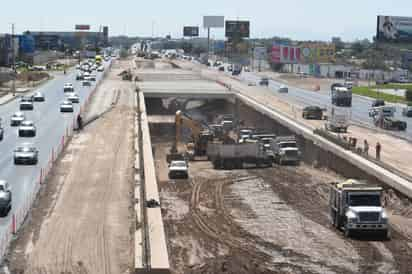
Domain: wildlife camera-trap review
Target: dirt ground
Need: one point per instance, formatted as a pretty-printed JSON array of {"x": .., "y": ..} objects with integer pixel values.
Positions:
[
  {"x": 271, "y": 220},
  {"x": 82, "y": 221}
]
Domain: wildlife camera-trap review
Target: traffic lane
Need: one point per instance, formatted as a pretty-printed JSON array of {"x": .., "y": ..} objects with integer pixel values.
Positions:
[
  {"x": 360, "y": 105},
  {"x": 49, "y": 134}
]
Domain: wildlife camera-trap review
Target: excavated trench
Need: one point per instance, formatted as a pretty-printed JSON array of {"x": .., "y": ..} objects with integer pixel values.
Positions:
[{"x": 272, "y": 220}]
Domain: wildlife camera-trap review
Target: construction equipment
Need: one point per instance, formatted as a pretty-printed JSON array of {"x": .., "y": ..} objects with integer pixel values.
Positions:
[
  {"x": 234, "y": 156},
  {"x": 201, "y": 134},
  {"x": 338, "y": 121},
  {"x": 285, "y": 150},
  {"x": 341, "y": 95},
  {"x": 356, "y": 206}
]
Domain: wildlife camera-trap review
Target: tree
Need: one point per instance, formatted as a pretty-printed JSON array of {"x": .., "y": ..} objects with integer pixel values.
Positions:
[
  {"x": 408, "y": 95},
  {"x": 358, "y": 47}
]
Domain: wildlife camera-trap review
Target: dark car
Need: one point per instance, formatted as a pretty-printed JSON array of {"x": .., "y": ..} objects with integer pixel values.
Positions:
[
  {"x": 407, "y": 111},
  {"x": 5, "y": 198},
  {"x": 264, "y": 81},
  {"x": 378, "y": 103},
  {"x": 26, "y": 154},
  {"x": 26, "y": 105},
  {"x": 312, "y": 112}
]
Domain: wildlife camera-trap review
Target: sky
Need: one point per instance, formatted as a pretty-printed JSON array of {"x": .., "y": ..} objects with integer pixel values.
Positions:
[{"x": 296, "y": 19}]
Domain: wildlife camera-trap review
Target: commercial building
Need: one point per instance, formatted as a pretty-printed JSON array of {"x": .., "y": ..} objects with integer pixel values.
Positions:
[
  {"x": 6, "y": 49},
  {"x": 75, "y": 40}
]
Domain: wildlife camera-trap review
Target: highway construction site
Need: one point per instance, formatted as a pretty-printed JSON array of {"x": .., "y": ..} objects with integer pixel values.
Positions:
[{"x": 264, "y": 220}]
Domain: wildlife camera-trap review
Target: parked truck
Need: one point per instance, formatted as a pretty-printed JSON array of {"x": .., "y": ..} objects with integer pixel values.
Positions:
[
  {"x": 285, "y": 150},
  {"x": 234, "y": 156},
  {"x": 341, "y": 96},
  {"x": 356, "y": 207}
]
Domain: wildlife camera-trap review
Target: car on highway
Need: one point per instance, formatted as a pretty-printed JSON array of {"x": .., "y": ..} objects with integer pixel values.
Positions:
[
  {"x": 68, "y": 87},
  {"x": 92, "y": 77},
  {"x": 86, "y": 82},
  {"x": 378, "y": 103},
  {"x": 5, "y": 198},
  {"x": 79, "y": 76},
  {"x": 1, "y": 132},
  {"x": 264, "y": 81},
  {"x": 407, "y": 111},
  {"x": 27, "y": 129},
  {"x": 26, "y": 154},
  {"x": 312, "y": 112},
  {"x": 73, "y": 97},
  {"x": 17, "y": 118},
  {"x": 39, "y": 97},
  {"x": 251, "y": 84},
  {"x": 26, "y": 105},
  {"x": 100, "y": 69},
  {"x": 283, "y": 89},
  {"x": 66, "y": 106},
  {"x": 178, "y": 170}
]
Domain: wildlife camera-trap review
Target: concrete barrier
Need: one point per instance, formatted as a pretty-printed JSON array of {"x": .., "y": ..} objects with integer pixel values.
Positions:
[{"x": 151, "y": 255}]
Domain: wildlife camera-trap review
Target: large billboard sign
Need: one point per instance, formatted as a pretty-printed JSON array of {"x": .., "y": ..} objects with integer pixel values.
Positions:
[
  {"x": 213, "y": 22},
  {"x": 82, "y": 27},
  {"x": 305, "y": 53},
  {"x": 239, "y": 29},
  {"x": 317, "y": 53},
  {"x": 190, "y": 31},
  {"x": 394, "y": 29},
  {"x": 285, "y": 54}
]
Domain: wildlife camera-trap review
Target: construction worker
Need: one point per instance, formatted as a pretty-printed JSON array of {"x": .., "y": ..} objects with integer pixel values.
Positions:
[
  {"x": 378, "y": 151},
  {"x": 79, "y": 122},
  {"x": 366, "y": 147}
]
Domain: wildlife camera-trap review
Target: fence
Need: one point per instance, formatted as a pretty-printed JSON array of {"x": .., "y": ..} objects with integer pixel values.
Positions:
[{"x": 19, "y": 215}]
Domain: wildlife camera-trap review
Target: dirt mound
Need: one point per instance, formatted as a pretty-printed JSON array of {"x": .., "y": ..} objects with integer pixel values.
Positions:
[{"x": 32, "y": 76}]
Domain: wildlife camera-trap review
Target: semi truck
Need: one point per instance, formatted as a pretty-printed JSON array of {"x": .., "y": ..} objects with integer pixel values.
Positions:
[
  {"x": 355, "y": 206},
  {"x": 234, "y": 156},
  {"x": 341, "y": 96}
]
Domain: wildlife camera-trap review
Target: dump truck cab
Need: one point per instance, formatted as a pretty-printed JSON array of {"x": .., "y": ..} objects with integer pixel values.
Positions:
[
  {"x": 286, "y": 150},
  {"x": 356, "y": 207}
]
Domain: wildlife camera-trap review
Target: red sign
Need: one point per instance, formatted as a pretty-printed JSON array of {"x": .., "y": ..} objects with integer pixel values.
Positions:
[
  {"x": 82, "y": 27},
  {"x": 276, "y": 54}
]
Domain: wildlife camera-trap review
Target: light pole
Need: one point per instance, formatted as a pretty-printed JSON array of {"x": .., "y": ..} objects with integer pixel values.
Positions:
[{"x": 13, "y": 85}]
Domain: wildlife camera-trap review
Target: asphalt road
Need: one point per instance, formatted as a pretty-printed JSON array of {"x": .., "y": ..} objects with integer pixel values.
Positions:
[
  {"x": 359, "y": 112},
  {"x": 51, "y": 126}
]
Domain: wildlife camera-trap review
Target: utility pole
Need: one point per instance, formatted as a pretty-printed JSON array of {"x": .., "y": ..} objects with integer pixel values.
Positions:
[
  {"x": 13, "y": 85},
  {"x": 208, "y": 43}
]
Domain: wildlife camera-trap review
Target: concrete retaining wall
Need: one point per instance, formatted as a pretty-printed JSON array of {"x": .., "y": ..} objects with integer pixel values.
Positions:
[{"x": 153, "y": 258}]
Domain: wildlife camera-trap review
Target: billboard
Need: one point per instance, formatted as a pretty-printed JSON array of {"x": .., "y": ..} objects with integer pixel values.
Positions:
[
  {"x": 213, "y": 21},
  {"x": 317, "y": 53},
  {"x": 285, "y": 54},
  {"x": 82, "y": 27},
  {"x": 239, "y": 29},
  {"x": 190, "y": 31},
  {"x": 394, "y": 28},
  {"x": 303, "y": 54}
]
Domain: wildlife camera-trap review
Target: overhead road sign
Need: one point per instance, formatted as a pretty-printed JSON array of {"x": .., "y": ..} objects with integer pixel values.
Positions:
[{"x": 82, "y": 27}]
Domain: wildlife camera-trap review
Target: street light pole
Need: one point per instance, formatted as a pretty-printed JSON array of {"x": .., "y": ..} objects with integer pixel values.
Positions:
[{"x": 13, "y": 85}]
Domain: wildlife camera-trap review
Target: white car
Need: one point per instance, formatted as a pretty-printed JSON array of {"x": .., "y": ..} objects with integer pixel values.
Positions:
[
  {"x": 178, "y": 169},
  {"x": 100, "y": 69},
  {"x": 68, "y": 87},
  {"x": 66, "y": 106},
  {"x": 283, "y": 89},
  {"x": 73, "y": 97},
  {"x": 17, "y": 118},
  {"x": 39, "y": 97},
  {"x": 27, "y": 129}
]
